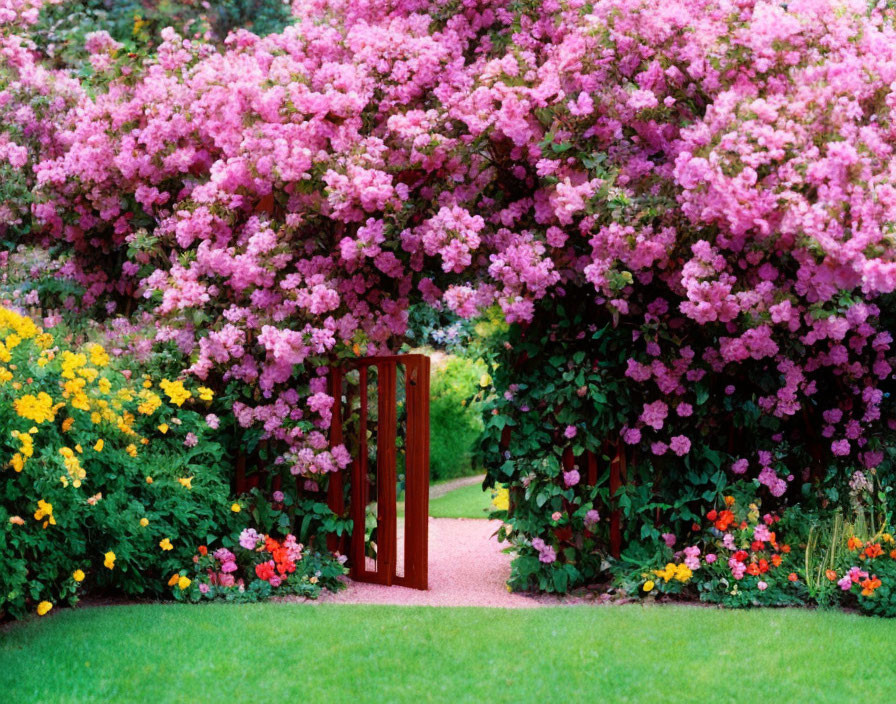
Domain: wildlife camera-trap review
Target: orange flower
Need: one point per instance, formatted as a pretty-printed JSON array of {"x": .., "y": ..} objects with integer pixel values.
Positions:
[
  {"x": 854, "y": 543},
  {"x": 869, "y": 585},
  {"x": 729, "y": 501},
  {"x": 830, "y": 574},
  {"x": 753, "y": 569},
  {"x": 893, "y": 554},
  {"x": 173, "y": 580},
  {"x": 203, "y": 550},
  {"x": 873, "y": 550},
  {"x": 776, "y": 560},
  {"x": 785, "y": 549},
  {"x": 792, "y": 577}
]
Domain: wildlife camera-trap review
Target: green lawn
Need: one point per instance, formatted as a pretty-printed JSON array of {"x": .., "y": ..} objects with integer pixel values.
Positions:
[
  {"x": 466, "y": 502},
  {"x": 338, "y": 653}
]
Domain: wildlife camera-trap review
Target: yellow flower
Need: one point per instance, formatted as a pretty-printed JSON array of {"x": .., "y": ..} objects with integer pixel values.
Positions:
[
  {"x": 43, "y": 608},
  {"x": 37, "y": 408},
  {"x": 683, "y": 573},
  {"x": 205, "y": 393},
  {"x": 175, "y": 391},
  {"x": 98, "y": 356},
  {"x": 485, "y": 380},
  {"x": 649, "y": 585},
  {"x": 144, "y": 522},
  {"x": 236, "y": 508},
  {"x": 163, "y": 428},
  {"x": 78, "y": 575},
  {"x": 109, "y": 560},
  {"x": 502, "y": 499},
  {"x": 99, "y": 445},
  {"x": 104, "y": 385},
  {"x": 149, "y": 480},
  {"x": 17, "y": 462},
  {"x": 186, "y": 482},
  {"x": 183, "y": 583},
  {"x": 44, "y": 510},
  {"x": 147, "y": 384},
  {"x": 165, "y": 544},
  {"x": 131, "y": 450},
  {"x": 174, "y": 579},
  {"x": 149, "y": 403}
]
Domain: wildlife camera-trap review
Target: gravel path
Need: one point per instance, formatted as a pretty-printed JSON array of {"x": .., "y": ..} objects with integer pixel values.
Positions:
[{"x": 466, "y": 568}]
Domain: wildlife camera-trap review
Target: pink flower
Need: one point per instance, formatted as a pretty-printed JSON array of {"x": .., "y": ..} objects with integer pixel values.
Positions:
[
  {"x": 680, "y": 445},
  {"x": 212, "y": 421},
  {"x": 556, "y": 516},
  {"x": 654, "y": 414},
  {"x": 571, "y": 478},
  {"x": 191, "y": 440},
  {"x": 669, "y": 539},
  {"x": 762, "y": 586},
  {"x": 570, "y": 431}
]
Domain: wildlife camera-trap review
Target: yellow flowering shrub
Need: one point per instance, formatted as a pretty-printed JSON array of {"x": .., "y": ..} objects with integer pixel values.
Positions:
[{"x": 79, "y": 441}]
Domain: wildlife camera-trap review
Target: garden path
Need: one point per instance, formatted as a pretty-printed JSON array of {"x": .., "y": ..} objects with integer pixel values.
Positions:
[{"x": 466, "y": 568}]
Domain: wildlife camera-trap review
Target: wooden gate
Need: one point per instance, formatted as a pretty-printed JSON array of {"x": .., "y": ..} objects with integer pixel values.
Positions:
[{"x": 388, "y": 439}]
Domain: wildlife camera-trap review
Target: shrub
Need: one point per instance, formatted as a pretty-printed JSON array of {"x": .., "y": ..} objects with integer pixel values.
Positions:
[
  {"x": 106, "y": 481},
  {"x": 455, "y": 417}
]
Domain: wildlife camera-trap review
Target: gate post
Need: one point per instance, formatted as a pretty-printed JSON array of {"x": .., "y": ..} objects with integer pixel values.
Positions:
[{"x": 336, "y": 485}]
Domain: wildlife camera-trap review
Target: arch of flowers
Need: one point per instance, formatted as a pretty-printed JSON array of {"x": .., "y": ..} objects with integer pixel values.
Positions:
[{"x": 685, "y": 209}]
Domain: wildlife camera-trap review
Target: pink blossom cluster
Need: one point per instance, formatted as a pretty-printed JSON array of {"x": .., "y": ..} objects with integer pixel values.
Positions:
[{"x": 716, "y": 175}]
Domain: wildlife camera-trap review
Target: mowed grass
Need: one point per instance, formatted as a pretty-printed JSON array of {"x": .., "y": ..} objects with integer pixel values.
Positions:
[
  {"x": 465, "y": 502},
  {"x": 339, "y": 653}
]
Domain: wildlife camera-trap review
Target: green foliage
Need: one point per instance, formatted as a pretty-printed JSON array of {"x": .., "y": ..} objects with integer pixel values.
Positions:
[
  {"x": 138, "y": 25},
  {"x": 455, "y": 417}
]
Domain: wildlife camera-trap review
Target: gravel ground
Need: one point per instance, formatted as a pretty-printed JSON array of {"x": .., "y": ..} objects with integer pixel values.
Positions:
[{"x": 466, "y": 568}]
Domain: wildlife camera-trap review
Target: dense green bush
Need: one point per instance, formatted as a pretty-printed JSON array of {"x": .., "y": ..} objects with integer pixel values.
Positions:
[{"x": 455, "y": 416}]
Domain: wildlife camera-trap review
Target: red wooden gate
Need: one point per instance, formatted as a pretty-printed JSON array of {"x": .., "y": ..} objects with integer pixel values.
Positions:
[{"x": 384, "y": 548}]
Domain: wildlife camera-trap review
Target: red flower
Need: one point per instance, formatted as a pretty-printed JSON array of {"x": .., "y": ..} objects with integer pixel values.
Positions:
[
  {"x": 740, "y": 555},
  {"x": 724, "y": 520},
  {"x": 270, "y": 544},
  {"x": 203, "y": 550},
  {"x": 757, "y": 545},
  {"x": 265, "y": 570},
  {"x": 712, "y": 515},
  {"x": 753, "y": 569},
  {"x": 792, "y": 577},
  {"x": 763, "y": 566}
]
